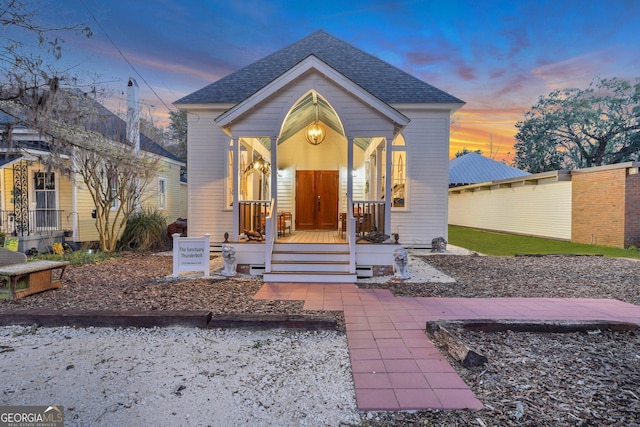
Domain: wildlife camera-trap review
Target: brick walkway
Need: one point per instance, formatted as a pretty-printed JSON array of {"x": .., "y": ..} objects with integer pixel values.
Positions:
[{"x": 395, "y": 366}]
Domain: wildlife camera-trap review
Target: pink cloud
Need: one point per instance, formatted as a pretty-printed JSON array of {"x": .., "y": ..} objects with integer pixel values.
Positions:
[{"x": 577, "y": 71}]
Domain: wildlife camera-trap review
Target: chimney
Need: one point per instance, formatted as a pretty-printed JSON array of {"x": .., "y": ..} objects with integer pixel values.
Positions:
[{"x": 133, "y": 115}]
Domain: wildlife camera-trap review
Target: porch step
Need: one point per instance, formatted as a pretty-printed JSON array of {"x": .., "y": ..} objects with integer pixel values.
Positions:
[
  {"x": 323, "y": 266},
  {"x": 311, "y": 247},
  {"x": 313, "y": 263},
  {"x": 309, "y": 277},
  {"x": 309, "y": 256}
]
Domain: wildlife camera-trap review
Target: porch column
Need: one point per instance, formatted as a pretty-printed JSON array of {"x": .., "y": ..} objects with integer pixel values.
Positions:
[
  {"x": 387, "y": 186},
  {"x": 379, "y": 171},
  {"x": 274, "y": 168},
  {"x": 349, "y": 180},
  {"x": 236, "y": 188}
]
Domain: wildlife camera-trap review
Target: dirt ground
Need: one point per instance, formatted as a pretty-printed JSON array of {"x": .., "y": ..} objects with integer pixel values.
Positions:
[{"x": 587, "y": 378}]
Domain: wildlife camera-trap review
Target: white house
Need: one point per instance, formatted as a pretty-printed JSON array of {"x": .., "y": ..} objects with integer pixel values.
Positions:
[{"x": 346, "y": 144}]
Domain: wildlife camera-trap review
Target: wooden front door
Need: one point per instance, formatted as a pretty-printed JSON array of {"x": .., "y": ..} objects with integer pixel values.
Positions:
[{"x": 316, "y": 200}]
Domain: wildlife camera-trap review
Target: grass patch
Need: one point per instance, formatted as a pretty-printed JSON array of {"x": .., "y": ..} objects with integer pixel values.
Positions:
[
  {"x": 78, "y": 257},
  {"x": 502, "y": 244}
]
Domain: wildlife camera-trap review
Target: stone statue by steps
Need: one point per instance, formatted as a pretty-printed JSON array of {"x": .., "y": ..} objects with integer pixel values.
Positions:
[
  {"x": 401, "y": 259},
  {"x": 439, "y": 244},
  {"x": 229, "y": 260}
]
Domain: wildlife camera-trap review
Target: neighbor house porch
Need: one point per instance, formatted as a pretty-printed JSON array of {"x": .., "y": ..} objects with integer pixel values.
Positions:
[{"x": 32, "y": 204}]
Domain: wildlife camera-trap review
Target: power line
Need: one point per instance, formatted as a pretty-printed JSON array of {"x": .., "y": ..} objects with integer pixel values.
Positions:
[{"x": 124, "y": 57}]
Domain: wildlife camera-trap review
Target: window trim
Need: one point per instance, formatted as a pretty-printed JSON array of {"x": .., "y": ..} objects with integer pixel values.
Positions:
[
  {"x": 162, "y": 193},
  {"x": 115, "y": 204}
]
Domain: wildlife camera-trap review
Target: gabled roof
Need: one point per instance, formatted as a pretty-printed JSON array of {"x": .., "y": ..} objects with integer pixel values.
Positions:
[
  {"x": 379, "y": 78},
  {"x": 473, "y": 168}
]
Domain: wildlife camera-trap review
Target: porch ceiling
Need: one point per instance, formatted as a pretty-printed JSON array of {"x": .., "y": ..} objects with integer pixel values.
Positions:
[{"x": 304, "y": 113}]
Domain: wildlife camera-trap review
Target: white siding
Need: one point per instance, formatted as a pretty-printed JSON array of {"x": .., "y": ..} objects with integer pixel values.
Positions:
[
  {"x": 427, "y": 145},
  {"x": 542, "y": 210},
  {"x": 184, "y": 200},
  {"x": 207, "y": 157},
  {"x": 286, "y": 203},
  {"x": 357, "y": 118}
]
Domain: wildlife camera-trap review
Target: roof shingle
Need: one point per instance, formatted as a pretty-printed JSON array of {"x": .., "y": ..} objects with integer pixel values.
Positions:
[{"x": 381, "y": 79}]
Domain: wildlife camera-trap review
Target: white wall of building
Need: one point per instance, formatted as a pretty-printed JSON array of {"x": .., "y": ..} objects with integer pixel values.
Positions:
[{"x": 542, "y": 209}]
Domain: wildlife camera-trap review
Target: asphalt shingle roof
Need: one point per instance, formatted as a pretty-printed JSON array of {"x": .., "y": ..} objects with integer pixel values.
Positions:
[
  {"x": 109, "y": 125},
  {"x": 116, "y": 128},
  {"x": 473, "y": 168},
  {"x": 383, "y": 80}
]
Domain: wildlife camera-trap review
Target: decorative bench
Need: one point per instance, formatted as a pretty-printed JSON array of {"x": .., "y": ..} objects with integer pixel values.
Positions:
[{"x": 19, "y": 278}]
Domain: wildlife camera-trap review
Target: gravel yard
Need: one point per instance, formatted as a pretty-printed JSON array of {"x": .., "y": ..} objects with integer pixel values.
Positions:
[{"x": 531, "y": 379}]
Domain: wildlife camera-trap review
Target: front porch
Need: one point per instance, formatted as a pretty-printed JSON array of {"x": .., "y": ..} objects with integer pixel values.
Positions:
[
  {"x": 34, "y": 228},
  {"x": 339, "y": 255},
  {"x": 368, "y": 222},
  {"x": 34, "y": 204},
  {"x": 292, "y": 183}
]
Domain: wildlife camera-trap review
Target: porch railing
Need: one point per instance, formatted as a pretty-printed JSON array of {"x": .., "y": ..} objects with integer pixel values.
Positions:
[
  {"x": 271, "y": 223},
  {"x": 30, "y": 222},
  {"x": 253, "y": 214},
  {"x": 369, "y": 216}
]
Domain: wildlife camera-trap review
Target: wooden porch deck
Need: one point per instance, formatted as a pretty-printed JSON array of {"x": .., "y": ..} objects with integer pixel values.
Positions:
[{"x": 312, "y": 236}]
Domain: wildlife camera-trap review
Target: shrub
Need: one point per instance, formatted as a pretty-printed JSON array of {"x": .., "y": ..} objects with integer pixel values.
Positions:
[{"x": 146, "y": 230}]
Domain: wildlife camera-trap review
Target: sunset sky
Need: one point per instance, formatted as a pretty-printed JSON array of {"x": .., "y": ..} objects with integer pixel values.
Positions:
[{"x": 497, "y": 56}]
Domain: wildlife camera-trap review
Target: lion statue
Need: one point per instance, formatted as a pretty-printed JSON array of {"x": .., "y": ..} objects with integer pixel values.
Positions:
[
  {"x": 401, "y": 259},
  {"x": 229, "y": 260}
]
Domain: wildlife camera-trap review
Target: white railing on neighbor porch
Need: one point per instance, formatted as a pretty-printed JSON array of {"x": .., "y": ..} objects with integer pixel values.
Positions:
[{"x": 30, "y": 222}]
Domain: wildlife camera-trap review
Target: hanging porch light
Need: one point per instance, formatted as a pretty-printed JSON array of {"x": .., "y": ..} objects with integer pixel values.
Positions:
[{"x": 315, "y": 132}]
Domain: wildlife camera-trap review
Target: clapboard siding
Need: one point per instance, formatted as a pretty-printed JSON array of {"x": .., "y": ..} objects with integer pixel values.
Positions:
[
  {"x": 171, "y": 173},
  {"x": 85, "y": 205},
  {"x": 184, "y": 200},
  {"x": 207, "y": 157},
  {"x": 542, "y": 210},
  {"x": 357, "y": 118},
  {"x": 427, "y": 144}
]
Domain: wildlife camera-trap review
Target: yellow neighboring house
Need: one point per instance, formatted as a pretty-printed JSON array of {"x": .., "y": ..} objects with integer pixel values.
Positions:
[{"x": 41, "y": 207}]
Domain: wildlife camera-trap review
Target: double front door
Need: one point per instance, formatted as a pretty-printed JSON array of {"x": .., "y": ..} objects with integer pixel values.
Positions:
[{"x": 316, "y": 200}]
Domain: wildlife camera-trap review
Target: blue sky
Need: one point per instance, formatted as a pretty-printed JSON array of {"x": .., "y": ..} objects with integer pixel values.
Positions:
[{"x": 498, "y": 56}]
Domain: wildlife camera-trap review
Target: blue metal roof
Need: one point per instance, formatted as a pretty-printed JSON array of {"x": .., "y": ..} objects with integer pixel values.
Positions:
[{"x": 473, "y": 168}]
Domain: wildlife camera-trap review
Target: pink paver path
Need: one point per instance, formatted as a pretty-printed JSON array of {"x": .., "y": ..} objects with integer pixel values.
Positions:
[{"x": 395, "y": 366}]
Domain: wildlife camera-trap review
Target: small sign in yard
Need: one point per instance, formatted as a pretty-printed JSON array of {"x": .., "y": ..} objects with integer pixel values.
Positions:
[
  {"x": 11, "y": 243},
  {"x": 190, "y": 254}
]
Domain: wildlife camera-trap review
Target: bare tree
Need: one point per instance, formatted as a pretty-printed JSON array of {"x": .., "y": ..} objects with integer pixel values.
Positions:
[
  {"x": 114, "y": 172},
  {"x": 91, "y": 147},
  {"x": 85, "y": 140},
  {"x": 117, "y": 184},
  {"x": 28, "y": 54}
]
